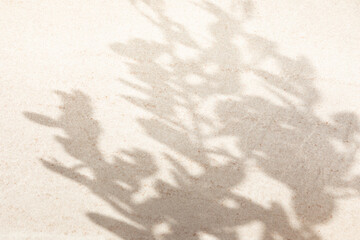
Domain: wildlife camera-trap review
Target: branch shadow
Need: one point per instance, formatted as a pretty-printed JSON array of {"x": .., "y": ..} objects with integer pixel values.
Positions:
[{"x": 288, "y": 142}]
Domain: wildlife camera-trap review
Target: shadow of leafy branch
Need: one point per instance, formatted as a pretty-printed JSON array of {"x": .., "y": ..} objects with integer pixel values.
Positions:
[{"x": 285, "y": 138}]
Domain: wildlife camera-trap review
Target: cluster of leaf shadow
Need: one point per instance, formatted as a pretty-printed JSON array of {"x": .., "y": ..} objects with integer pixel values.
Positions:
[{"x": 288, "y": 141}]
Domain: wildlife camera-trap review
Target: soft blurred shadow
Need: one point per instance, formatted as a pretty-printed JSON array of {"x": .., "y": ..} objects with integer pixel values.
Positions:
[{"x": 288, "y": 142}]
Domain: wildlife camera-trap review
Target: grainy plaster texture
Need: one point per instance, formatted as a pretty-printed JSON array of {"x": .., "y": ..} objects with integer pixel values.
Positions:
[{"x": 149, "y": 119}]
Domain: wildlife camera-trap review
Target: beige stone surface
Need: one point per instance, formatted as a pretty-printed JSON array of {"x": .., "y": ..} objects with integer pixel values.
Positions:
[{"x": 149, "y": 119}]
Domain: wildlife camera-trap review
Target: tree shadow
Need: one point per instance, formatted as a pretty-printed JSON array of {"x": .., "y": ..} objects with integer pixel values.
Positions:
[{"x": 285, "y": 138}]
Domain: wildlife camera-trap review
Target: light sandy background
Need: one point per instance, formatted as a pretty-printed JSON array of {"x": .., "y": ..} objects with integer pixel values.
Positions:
[{"x": 149, "y": 119}]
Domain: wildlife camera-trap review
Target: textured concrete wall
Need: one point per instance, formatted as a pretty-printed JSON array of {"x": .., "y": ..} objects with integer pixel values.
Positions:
[{"x": 155, "y": 119}]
